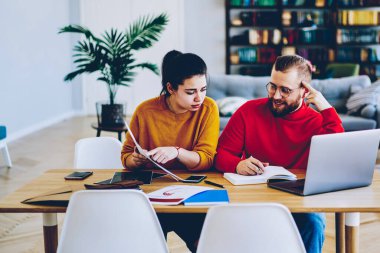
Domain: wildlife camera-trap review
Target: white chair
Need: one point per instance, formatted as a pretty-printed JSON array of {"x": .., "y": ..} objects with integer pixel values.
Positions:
[
  {"x": 111, "y": 221},
  {"x": 5, "y": 153},
  {"x": 4, "y": 147},
  {"x": 98, "y": 153},
  {"x": 261, "y": 227}
]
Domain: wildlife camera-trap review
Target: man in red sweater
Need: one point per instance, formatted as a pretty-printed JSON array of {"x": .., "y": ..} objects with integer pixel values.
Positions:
[{"x": 277, "y": 130}]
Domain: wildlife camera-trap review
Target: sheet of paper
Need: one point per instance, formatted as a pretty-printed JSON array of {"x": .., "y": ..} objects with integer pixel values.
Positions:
[
  {"x": 177, "y": 178},
  {"x": 174, "y": 194}
]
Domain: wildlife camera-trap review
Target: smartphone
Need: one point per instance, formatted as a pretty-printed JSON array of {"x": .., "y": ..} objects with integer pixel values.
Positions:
[
  {"x": 194, "y": 179},
  {"x": 78, "y": 175}
]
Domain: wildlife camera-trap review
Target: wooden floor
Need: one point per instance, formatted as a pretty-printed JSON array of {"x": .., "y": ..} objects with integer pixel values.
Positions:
[{"x": 53, "y": 147}]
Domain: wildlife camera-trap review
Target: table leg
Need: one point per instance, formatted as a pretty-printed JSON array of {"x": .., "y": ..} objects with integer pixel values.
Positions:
[
  {"x": 119, "y": 135},
  {"x": 352, "y": 221},
  {"x": 50, "y": 232},
  {"x": 339, "y": 232},
  {"x": 98, "y": 132}
]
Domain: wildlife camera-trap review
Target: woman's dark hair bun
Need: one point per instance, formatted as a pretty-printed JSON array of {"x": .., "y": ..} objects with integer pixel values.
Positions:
[{"x": 177, "y": 66}]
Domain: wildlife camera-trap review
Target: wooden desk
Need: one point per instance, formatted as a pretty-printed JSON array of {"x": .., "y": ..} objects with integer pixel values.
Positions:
[
  {"x": 119, "y": 130},
  {"x": 348, "y": 202}
]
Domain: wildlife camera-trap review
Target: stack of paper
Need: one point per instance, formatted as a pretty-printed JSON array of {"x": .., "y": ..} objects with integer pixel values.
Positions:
[{"x": 174, "y": 194}]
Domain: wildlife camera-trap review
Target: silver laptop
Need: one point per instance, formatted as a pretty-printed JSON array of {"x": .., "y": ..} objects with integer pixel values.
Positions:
[{"x": 336, "y": 162}]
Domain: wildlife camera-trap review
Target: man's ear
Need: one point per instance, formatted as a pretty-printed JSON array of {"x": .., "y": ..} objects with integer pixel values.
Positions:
[{"x": 305, "y": 89}]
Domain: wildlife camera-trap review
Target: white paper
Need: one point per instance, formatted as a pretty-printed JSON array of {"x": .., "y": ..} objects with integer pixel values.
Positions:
[
  {"x": 175, "y": 194},
  {"x": 177, "y": 178}
]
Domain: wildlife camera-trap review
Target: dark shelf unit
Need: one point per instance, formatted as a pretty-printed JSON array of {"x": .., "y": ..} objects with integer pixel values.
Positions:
[{"x": 319, "y": 42}]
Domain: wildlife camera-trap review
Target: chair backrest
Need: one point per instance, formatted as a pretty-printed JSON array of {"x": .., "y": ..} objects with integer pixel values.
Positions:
[
  {"x": 261, "y": 227},
  {"x": 3, "y": 132},
  {"x": 98, "y": 153},
  {"x": 336, "y": 70},
  {"x": 111, "y": 221}
]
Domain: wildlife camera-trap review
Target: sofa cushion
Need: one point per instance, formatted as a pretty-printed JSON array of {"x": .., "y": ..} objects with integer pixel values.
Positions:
[
  {"x": 223, "y": 122},
  {"x": 228, "y": 105},
  {"x": 352, "y": 123},
  {"x": 3, "y": 132},
  {"x": 338, "y": 90},
  {"x": 364, "y": 102}
]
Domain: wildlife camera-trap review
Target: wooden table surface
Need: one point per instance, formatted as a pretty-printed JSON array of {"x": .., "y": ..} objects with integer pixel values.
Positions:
[{"x": 366, "y": 199}]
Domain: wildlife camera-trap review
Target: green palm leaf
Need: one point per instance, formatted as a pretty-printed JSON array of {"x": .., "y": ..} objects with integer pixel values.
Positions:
[
  {"x": 150, "y": 66},
  {"x": 112, "y": 54},
  {"x": 144, "y": 32}
]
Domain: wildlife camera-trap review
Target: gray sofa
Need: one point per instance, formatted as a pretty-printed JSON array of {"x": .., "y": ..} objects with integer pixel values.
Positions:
[{"x": 336, "y": 91}]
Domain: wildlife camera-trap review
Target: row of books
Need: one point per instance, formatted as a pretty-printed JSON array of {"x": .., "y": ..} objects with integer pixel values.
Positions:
[
  {"x": 289, "y": 18},
  {"x": 305, "y": 36},
  {"x": 268, "y": 18},
  {"x": 254, "y": 55},
  {"x": 257, "y": 37},
  {"x": 358, "y": 55},
  {"x": 307, "y": 3},
  {"x": 258, "y": 3},
  {"x": 268, "y": 55},
  {"x": 353, "y": 3},
  {"x": 357, "y": 36},
  {"x": 312, "y": 36},
  {"x": 356, "y": 17},
  {"x": 304, "y": 3},
  {"x": 306, "y": 18}
]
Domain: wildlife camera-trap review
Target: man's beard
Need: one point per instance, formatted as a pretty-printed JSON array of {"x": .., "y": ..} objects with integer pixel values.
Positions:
[{"x": 287, "y": 108}]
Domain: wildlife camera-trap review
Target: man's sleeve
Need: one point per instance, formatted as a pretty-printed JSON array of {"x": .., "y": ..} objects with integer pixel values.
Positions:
[{"x": 331, "y": 123}]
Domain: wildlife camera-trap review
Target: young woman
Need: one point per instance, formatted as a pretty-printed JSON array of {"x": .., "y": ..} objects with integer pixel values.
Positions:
[{"x": 179, "y": 129}]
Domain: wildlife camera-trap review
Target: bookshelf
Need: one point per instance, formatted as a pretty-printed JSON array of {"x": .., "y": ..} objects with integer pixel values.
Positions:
[{"x": 323, "y": 31}]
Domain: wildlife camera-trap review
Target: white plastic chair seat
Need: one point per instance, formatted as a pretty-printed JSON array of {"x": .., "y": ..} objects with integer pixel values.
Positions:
[
  {"x": 261, "y": 227},
  {"x": 111, "y": 221},
  {"x": 98, "y": 153}
]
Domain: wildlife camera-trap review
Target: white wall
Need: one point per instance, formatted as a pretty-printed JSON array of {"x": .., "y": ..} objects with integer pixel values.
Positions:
[
  {"x": 34, "y": 58},
  {"x": 205, "y": 32},
  {"x": 33, "y": 61},
  {"x": 101, "y": 15}
]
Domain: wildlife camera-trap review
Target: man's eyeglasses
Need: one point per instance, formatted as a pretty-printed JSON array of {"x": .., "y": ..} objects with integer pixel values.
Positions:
[{"x": 284, "y": 91}]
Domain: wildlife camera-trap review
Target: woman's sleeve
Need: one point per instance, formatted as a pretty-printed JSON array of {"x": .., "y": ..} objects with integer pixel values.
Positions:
[
  {"x": 208, "y": 139},
  {"x": 129, "y": 145}
]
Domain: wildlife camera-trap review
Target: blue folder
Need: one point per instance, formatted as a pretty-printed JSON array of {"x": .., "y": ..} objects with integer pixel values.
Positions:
[{"x": 210, "y": 197}]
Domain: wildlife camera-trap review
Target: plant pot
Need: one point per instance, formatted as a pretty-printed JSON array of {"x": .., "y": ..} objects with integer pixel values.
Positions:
[{"x": 111, "y": 115}]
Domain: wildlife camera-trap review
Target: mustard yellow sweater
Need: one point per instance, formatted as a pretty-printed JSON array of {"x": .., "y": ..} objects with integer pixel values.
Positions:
[{"x": 154, "y": 125}]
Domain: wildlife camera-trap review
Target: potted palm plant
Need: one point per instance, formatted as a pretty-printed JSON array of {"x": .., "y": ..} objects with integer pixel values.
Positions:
[{"x": 111, "y": 55}]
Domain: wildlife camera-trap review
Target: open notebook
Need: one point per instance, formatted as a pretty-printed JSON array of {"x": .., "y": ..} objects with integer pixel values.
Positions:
[{"x": 270, "y": 172}]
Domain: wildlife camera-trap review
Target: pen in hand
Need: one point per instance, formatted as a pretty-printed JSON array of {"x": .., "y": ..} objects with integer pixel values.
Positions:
[{"x": 214, "y": 184}]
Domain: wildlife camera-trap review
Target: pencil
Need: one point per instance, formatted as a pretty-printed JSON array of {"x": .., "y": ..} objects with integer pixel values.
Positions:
[{"x": 214, "y": 184}]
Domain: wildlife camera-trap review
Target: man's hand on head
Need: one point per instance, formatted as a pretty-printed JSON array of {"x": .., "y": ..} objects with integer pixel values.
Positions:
[
  {"x": 315, "y": 97},
  {"x": 250, "y": 166}
]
